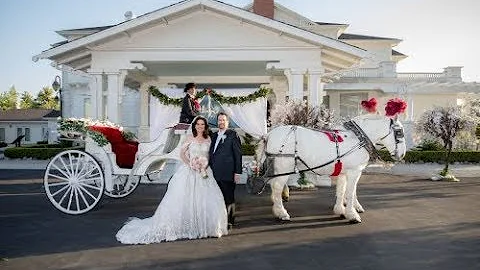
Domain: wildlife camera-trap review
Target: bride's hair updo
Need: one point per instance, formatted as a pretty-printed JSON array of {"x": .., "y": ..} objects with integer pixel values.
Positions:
[{"x": 206, "y": 132}]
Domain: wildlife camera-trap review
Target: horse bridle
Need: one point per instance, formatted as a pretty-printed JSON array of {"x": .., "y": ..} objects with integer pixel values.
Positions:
[{"x": 397, "y": 135}]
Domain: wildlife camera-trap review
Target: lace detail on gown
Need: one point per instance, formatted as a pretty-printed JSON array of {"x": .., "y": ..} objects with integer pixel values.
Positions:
[{"x": 193, "y": 207}]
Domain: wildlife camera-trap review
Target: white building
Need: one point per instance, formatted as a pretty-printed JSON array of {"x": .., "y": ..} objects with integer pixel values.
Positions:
[
  {"x": 107, "y": 69},
  {"x": 35, "y": 124}
]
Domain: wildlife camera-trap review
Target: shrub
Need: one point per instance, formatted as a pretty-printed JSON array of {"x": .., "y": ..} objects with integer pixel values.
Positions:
[
  {"x": 430, "y": 145},
  {"x": 248, "y": 149},
  {"x": 36, "y": 151},
  {"x": 413, "y": 156}
]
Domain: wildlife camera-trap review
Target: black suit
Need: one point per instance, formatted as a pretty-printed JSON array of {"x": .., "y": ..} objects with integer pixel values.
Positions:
[
  {"x": 225, "y": 162},
  {"x": 188, "y": 110}
]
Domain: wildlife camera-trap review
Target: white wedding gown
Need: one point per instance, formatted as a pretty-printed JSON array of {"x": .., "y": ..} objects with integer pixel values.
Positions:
[{"x": 193, "y": 207}]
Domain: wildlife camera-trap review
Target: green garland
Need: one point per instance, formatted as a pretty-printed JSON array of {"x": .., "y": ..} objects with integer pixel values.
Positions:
[
  {"x": 164, "y": 99},
  {"x": 80, "y": 127}
]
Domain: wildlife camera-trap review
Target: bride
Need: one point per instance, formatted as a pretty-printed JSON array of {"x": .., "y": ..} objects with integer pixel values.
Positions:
[{"x": 193, "y": 206}]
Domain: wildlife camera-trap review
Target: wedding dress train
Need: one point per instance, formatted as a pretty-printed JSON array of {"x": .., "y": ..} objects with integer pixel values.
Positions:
[{"x": 193, "y": 207}]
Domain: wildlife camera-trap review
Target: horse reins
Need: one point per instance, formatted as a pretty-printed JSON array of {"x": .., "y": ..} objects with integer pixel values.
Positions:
[{"x": 364, "y": 142}]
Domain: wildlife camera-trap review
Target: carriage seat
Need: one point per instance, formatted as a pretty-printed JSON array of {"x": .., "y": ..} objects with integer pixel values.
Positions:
[{"x": 124, "y": 150}]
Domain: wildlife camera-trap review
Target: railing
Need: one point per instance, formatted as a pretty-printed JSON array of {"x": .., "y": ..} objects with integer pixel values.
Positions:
[
  {"x": 378, "y": 73},
  {"x": 421, "y": 76},
  {"x": 363, "y": 73}
]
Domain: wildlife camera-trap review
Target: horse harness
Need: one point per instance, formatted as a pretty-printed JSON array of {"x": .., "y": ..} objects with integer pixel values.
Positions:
[{"x": 351, "y": 125}]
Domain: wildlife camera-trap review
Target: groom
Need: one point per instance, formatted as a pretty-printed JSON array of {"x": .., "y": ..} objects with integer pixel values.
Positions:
[{"x": 226, "y": 163}]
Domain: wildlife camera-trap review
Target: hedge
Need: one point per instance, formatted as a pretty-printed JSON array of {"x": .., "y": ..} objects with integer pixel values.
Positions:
[
  {"x": 50, "y": 150},
  {"x": 248, "y": 149},
  {"x": 36, "y": 152},
  {"x": 435, "y": 156}
]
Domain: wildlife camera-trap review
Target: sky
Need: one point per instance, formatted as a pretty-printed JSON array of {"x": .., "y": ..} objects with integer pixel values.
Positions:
[{"x": 435, "y": 33}]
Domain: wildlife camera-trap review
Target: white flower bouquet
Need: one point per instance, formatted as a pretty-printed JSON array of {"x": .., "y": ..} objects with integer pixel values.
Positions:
[{"x": 199, "y": 164}]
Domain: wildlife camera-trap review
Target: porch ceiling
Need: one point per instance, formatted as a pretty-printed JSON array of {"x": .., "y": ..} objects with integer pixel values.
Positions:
[{"x": 206, "y": 68}]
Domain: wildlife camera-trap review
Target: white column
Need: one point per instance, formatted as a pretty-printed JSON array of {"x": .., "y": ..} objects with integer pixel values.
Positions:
[
  {"x": 144, "y": 129},
  {"x": 93, "y": 98},
  {"x": 98, "y": 97},
  {"x": 410, "y": 104},
  {"x": 121, "y": 86},
  {"x": 112, "y": 97},
  {"x": 295, "y": 83},
  {"x": 315, "y": 87}
]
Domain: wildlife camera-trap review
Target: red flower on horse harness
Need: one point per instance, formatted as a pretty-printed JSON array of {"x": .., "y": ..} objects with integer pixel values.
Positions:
[
  {"x": 395, "y": 106},
  {"x": 370, "y": 105}
]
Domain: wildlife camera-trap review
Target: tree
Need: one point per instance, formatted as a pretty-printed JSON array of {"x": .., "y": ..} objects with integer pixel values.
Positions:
[
  {"x": 445, "y": 123},
  {"x": 27, "y": 101},
  {"x": 300, "y": 113},
  {"x": 8, "y": 100},
  {"x": 46, "y": 99}
]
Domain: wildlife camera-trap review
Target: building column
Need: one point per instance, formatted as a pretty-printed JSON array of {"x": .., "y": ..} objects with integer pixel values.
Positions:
[
  {"x": 410, "y": 104},
  {"x": 295, "y": 83},
  {"x": 115, "y": 84},
  {"x": 315, "y": 87},
  {"x": 144, "y": 128},
  {"x": 93, "y": 113},
  {"x": 96, "y": 96}
]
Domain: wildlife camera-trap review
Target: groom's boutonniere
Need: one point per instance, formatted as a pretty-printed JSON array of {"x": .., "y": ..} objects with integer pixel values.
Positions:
[{"x": 223, "y": 138}]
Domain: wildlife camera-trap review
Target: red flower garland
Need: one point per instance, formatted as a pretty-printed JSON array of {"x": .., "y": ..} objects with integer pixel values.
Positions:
[
  {"x": 395, "y": 106},
  {"x": 370, "y": 105}
]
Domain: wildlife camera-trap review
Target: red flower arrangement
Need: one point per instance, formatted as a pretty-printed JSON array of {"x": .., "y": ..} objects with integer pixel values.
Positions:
[
  {"x": 395, "y": 106},
  {"x": 370, "y": 105}
]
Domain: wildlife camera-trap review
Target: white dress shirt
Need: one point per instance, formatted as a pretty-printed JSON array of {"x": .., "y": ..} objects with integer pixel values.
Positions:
[{"x": 219, "y": 136}]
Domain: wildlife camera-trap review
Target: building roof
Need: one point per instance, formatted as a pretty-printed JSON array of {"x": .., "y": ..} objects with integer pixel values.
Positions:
[
  {"x": 28, "y": 114},
  {"x": 325, "y": 23},
  {"x": 181, "y": 8},
  {"x": 364, "y": 37},
  {"x": 397, "y": 53}
]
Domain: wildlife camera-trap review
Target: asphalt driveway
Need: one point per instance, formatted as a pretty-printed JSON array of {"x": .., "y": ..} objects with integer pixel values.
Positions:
[{"x": 410, "y": 223}]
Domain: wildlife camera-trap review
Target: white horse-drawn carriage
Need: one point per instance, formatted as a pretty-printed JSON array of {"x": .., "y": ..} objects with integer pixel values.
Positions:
[{"x": 75, "y": 180}]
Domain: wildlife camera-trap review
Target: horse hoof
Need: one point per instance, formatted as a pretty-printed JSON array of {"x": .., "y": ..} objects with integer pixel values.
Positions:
[
  {"x": 342, "y": 216},
  {"x": 354, "y": 221}
]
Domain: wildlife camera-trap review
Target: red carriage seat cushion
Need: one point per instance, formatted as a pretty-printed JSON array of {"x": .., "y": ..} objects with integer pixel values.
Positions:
[{"x": 124, "y": 150}]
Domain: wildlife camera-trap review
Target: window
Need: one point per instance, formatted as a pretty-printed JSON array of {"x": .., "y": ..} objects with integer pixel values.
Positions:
[
  {"x": 350, "y": 104},
  {"x": 326, "y": 101},
  {"x": 86, "y": 108},
  {"x": 2, "y": 134},
  {"x": 27, "y": 134},
  {"x": 19, "y": 132}
]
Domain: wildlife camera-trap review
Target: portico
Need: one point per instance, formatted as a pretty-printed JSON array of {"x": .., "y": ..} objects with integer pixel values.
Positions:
[{"x": 205, "y": 41}]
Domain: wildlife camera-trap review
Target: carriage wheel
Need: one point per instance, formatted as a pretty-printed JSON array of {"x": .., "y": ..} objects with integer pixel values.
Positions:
[
  {"x": 74, "y": 182},
  {"x": 123, "y": 185}
]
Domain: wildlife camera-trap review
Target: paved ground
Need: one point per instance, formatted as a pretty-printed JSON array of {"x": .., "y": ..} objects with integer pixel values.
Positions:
[{"x": 410, "y": 223}]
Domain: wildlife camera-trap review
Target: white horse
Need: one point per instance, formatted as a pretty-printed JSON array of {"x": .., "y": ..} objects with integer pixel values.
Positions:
[{"x": 295, "y": 148}]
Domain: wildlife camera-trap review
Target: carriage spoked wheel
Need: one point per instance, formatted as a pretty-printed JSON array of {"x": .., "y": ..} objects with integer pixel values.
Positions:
[
  {"x": 74, "y": 182},
  {"x": 123, "y": 185}
]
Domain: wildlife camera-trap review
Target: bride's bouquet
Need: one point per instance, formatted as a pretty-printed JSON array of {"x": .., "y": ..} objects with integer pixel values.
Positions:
[{"x": 199, "y": 164}]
